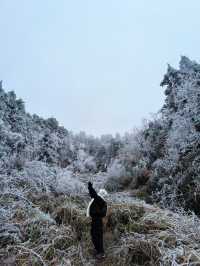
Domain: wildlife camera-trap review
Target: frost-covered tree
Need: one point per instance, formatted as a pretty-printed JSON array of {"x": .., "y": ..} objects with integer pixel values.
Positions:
[
  {"x": 163, "y": 158},
  {"x": 170, "y": 144},
  {"x": 26, "y": 137}
]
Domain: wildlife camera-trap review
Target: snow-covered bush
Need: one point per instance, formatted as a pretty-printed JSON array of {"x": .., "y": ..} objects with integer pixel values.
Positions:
[
  {"x": 118, "y": 178},
  {"x": 68, "y": 184}
]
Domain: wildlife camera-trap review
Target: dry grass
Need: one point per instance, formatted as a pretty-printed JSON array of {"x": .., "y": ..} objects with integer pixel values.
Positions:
[{"x": 134, "y": 234}]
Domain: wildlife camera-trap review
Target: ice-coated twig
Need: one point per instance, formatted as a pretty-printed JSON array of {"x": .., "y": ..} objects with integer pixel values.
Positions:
[{"x": 30, "y": 251}]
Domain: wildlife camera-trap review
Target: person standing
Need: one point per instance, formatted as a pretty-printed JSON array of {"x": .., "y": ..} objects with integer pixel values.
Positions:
[{"x": 97, "y": 209}]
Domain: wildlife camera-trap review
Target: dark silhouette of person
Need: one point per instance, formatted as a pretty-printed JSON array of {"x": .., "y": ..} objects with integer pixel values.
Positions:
[{"x": 97, "y": 209}]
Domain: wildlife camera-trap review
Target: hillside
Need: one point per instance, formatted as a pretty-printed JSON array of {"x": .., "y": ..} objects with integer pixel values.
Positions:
[
  {"x": 41, "y": 229},
  {"x": 44, "y": 169}
]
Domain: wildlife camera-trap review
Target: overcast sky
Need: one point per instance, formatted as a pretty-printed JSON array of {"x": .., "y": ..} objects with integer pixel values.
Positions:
[{"x": 94, "y": 65}]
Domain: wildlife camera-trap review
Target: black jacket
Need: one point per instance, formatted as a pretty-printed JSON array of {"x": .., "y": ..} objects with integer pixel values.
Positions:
[{"x": 98, "y": 207}]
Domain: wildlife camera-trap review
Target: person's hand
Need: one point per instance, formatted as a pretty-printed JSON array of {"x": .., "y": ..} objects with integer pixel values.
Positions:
[{"x": 89, "y": 184}]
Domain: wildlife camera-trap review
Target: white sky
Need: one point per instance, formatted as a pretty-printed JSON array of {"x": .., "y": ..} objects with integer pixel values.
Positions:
[{"x": 94, "y": 65}]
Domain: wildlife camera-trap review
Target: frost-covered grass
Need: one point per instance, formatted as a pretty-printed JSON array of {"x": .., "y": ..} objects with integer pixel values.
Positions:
[
  {"x": 39, "y": 177},
  {"x": 68, "y": 183},
  {"x": 52, "y": 229},
  {"x": 39, "y": 212}
]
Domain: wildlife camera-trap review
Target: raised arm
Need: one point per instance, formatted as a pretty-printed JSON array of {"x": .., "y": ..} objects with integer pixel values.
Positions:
[{"x": 92, "y": 191}]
